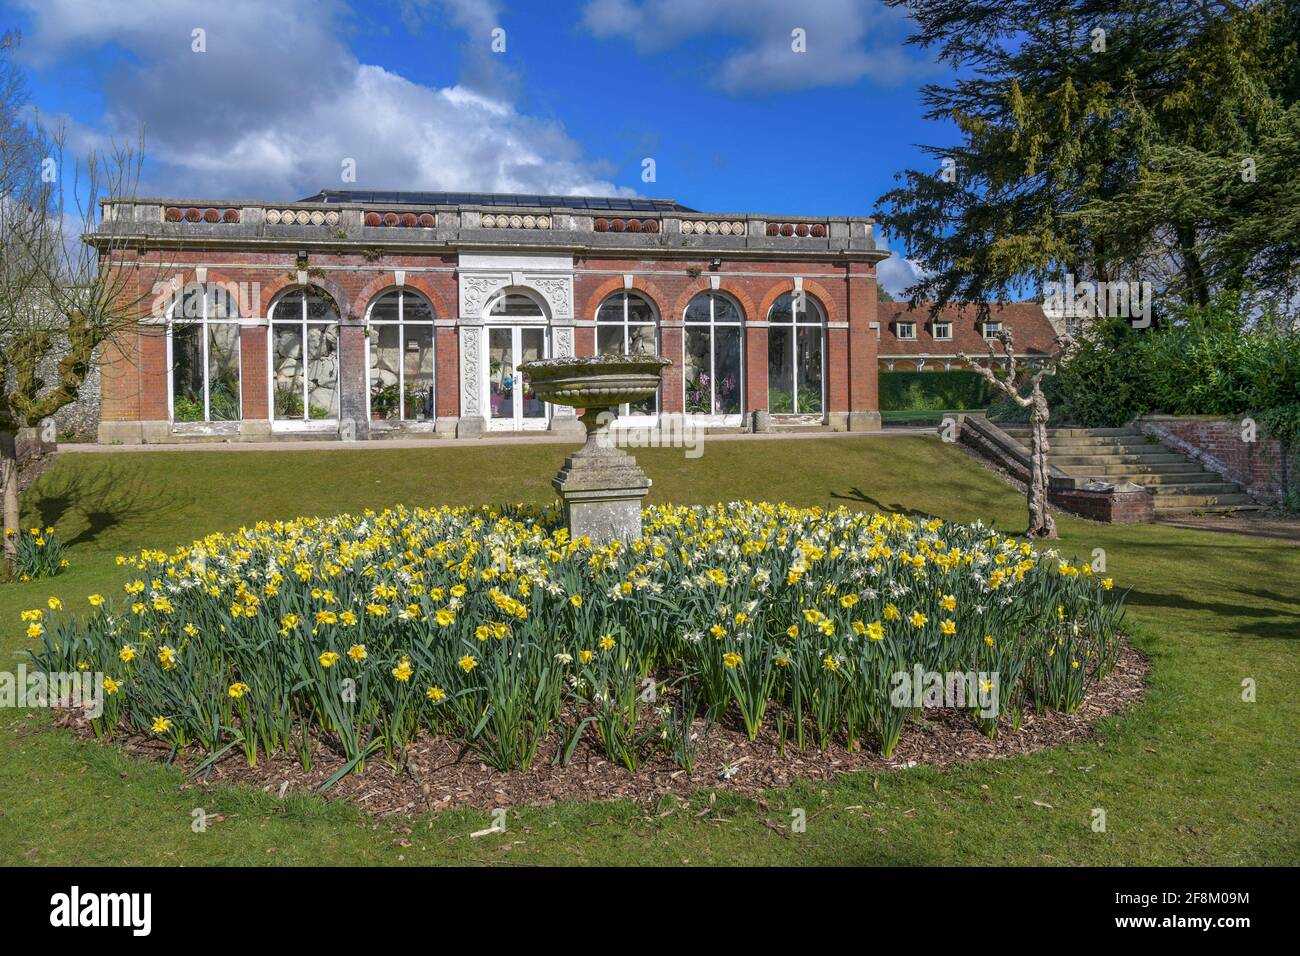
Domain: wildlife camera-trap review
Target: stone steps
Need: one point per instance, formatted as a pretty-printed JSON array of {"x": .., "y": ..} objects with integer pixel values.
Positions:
[{"x": 1118, "y": 455}]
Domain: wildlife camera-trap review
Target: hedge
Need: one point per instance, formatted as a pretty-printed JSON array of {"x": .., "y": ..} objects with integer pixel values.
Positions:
[{"x": 929, "y": 391}]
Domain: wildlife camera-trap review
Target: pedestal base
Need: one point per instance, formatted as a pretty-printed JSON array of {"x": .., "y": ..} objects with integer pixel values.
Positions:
[{"x": 602, "y": 488}]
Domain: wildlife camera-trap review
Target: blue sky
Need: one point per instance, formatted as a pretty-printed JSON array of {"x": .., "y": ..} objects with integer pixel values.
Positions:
[{"x": 413, "y": 92}]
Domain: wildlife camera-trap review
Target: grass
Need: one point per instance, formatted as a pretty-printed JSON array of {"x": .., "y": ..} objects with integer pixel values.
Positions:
[{"x": 1194, "y": 776}]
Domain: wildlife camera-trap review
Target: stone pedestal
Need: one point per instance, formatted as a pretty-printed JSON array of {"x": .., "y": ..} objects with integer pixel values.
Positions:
[
  {"x": 601, "y": 485},
  {"x": 602, "y": 488},
  {"x": 568, "y": 426}
]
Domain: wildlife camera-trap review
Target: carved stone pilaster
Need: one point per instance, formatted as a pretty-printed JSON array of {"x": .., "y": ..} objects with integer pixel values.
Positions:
[{"x": 471, "y": 371}]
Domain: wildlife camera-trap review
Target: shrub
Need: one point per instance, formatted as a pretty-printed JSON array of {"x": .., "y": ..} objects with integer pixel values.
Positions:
[
  {"x": 1201, "y": 361},
  {"x": 495, "y": 628}
]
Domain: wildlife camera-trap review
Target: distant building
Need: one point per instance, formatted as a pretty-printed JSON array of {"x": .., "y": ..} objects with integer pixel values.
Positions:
[{"x": 912, "y": 341}]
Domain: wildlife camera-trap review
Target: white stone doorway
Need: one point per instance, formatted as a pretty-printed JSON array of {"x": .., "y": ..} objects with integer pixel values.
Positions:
[{"x": 515, "y": 331}]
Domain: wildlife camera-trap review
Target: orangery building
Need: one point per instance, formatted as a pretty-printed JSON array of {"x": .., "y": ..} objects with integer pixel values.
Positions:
[{"x": 364, "y": 315}]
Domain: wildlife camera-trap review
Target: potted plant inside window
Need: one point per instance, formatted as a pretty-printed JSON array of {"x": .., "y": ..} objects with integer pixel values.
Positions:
[{"x": 384, "y": 401}]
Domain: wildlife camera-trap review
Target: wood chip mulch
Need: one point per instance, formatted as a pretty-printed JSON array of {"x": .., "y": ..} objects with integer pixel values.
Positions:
[{"x": 440, "y": 774}]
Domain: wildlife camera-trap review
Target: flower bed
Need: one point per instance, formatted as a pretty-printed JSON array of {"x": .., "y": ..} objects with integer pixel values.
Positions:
[{"x": 491, "y": 627}]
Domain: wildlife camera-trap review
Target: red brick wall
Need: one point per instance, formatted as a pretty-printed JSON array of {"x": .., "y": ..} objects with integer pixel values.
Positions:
[
  {"x": 1259, "y": 466},
  {"x": 135, "y": 381},
  {"x": 252, "y": 372},
  {"x": 446, "y": 373},
  {"x": 861, "y": 370}
]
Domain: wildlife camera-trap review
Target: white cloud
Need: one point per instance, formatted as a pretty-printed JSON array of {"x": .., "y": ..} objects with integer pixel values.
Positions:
[
  {"x": 278, "y": 102},
  {"x": 896, "y": 273},
  {"x": 846, "y": 40}
]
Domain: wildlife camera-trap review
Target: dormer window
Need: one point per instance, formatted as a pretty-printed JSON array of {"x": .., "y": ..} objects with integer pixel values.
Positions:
[
  {"x": 906, "y": 330},
  {"x": 942, "y": 331},
  {"x": 992, "y": 329}
]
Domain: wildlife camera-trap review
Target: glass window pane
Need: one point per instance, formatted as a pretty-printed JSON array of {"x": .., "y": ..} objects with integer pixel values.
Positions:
[
  {"x": 724, "y": 310},
  {"x": 515, "y": 304},
  {"x": 639, "y": 311},
  {"x": 609, "y": 339},
  {"x": 810, "y": 371},
  {"x": 501, "y": 365},
  {"x": 641, "y": 340},
  {"x": 726, "y": 366},
  {"x": 416, "y": 308},
  {"x": 532, "y": 346},
  {"x": 782, "y": 309},
  {"x": 417, "y": 358},
  {"x": 611, "y": 310},
  {"x": 223, "y": 372},
  {"x": 288, "y": 308},
  {"x": 698, "y": 310},
  {"x": 322, "y": 371},
  {"x": 780, "y": 371},
  {"x": 696, "y": 372},
  {"x": 385, "y": 358},
  {"x": 286, "y": 371},
  {"x": 386, "y": 307},
  {"x": 187, "y": 372},
  {"x": 320, "y": 309},
  {"x": 812, "y": 312}
]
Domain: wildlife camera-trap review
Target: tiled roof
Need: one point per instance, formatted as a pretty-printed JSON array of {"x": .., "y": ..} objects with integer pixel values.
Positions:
[{"x": 1031, "y": 331}]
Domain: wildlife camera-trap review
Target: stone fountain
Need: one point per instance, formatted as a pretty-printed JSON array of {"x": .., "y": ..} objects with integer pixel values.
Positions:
[{"x": 601, "y": 486}]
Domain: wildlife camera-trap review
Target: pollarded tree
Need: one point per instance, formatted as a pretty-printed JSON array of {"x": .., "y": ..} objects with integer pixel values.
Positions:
[
  {"x": 1014, "y": 385},
  {"x": 60, "y": 299}
]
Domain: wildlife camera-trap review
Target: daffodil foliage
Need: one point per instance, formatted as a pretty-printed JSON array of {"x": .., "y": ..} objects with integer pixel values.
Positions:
[{"x": 494, "y": 627}]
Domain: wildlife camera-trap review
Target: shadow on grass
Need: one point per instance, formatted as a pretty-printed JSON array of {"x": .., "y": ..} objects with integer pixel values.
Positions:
[
  {"x": 1229, "y": 612},
  {"x": 103, "y": 498},
  {"x": 861, "y": 497}
]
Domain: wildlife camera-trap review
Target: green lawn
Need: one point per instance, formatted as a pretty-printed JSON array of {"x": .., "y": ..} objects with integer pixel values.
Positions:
[{"x": 1195, "y": 776}]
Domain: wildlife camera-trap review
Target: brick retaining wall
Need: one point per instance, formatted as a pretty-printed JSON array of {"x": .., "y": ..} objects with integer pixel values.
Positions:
[{"x": 1259, "y": 466}]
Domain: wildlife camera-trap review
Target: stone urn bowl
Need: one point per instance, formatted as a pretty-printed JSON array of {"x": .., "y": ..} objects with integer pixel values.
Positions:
[
  {"x": 595, "y": 383},
  {"x": 601, "y": 485}
]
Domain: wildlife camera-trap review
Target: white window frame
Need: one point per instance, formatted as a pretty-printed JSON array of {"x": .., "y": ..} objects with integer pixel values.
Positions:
[
  {"x": 725, "y": 419},
  {"x": 306, "y": 423},
  {"x": 985, "y": 328},
  {"x": 403, "y": 324},
  {"x": 910, "y": 336},
  {"x": 624, "y": 418},
  {"x": 947, "y": 335},
  {"x": 203, "y": 322},
  {"x": 795, "y": 325},
  {"x": 541, "y": 320}
]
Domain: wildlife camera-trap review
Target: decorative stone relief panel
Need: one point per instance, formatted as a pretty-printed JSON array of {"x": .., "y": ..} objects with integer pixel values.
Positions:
[
  {"x": 471, "y": 370},
  {"x": 476, "y": 289},
  {"x": 558, "y": 291},
  {"x": 562, "y": 346}
]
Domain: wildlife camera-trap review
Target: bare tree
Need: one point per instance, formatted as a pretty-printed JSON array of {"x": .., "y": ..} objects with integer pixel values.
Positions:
[
  {"x": 60, "y": 298},
  {"x": 1014, "y": 385}
]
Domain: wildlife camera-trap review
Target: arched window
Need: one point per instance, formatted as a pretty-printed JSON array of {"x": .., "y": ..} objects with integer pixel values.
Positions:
[
  {"x": 795, "y": 345},
  {"x": 304, "y": 356},
  {"x": 205, "y": 362},
  {"x": 401, "y": 357},
  {"x": 514, "y": 305},
  {"x": 626, "y": 324},
  {"x": 712, "y": 370}
]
